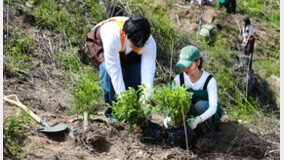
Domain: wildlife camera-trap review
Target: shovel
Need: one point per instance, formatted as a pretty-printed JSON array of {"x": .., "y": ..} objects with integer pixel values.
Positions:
[{"x": 49, "y": 129}]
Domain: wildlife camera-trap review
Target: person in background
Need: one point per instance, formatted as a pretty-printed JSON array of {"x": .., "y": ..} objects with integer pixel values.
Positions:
[
  {"x": 202, "y": 84},
  {"x": 226, "y": 4},
  {"x": 232, "y": 6},
  {"x": 248, "y": 39},
  {"x": 124, "y": 52}
]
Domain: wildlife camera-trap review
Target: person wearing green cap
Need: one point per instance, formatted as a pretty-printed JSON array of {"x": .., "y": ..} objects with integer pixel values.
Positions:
[{"x": 196, "y": 79}]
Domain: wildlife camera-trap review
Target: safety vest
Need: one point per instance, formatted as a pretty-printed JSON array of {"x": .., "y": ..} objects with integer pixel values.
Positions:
[{"x": 122, "y": 36}]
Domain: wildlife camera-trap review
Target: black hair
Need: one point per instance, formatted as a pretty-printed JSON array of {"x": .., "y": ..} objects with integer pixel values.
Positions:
[
  {"x": 137, "y": 30},
  {"x": 201, "y": 63},
  {"x": 247, "y": 21}
]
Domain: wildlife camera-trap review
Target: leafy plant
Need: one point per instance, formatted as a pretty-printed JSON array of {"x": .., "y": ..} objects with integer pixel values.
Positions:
[
  {"x": 14, "y": 130},
  {"x": 68, "y": 17},
  {"x": 174, "y": 101},
  {"x": 17, "y": 52},
  {"x": 86, "y": 97},
  {"x": 128, "y": 109}
]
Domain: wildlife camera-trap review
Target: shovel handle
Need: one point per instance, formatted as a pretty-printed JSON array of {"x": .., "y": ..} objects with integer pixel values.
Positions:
[{"x": 18, "y": 103}]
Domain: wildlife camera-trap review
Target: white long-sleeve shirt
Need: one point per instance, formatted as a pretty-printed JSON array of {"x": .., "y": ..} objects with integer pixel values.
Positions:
[
  {"x": 249, "y": 33},
  {"x": 198, "y": 85},
  {"x": 110, "y": 34}
]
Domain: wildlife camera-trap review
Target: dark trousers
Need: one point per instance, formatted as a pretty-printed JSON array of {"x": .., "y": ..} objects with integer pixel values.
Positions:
[
  {"x": 227, "y": 6},
  {"x": 232, "y": 7},
  {"x": 131, "y": 77},
  {"x": 207, "y": 128}
]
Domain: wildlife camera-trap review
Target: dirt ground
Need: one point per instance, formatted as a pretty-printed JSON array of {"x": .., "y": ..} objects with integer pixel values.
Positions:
[{"x": 49, "y": 97}]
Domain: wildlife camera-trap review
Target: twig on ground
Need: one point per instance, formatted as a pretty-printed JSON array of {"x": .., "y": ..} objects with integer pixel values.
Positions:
[
  {"x": 44, "y": 70},
  {"x": 200, "y": 22},
  {"x": 126, "y": 7},
  {"x": 179, "y": 24},
  {"x": 181, "y": 6},
  {"x": 245, "y": 146},
  {"x": 53, "y": 54},
  {"x": 240, "y": 31},
  {"x": 7, "y": 23},
  {"x": 233, "y": 142},
  {"x": 109, "y": 9},
  {"x": 161, "y": 69},
  {"x": 171, "y": 61},
  {"x": 114, "y": 6},
  {"x": 27, "y": 74}
]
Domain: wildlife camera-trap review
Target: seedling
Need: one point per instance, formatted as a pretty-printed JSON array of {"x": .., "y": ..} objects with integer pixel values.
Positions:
[
  {"x": 86, "y": 98},
  {"x": 175, "y": 102},
  {"x": 128, "y": 108}
]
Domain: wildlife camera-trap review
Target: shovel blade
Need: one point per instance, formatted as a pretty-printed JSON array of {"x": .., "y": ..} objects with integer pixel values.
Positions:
[{"x": 58, "y": 127}]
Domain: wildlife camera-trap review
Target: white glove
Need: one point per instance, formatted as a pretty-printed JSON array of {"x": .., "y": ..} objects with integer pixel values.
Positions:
[
  {"x": 244, "y": 43},
  {"x": 193, "y": 122},
  {"x": 146, "y": 107},
  {"x": 167, "y": 121}
]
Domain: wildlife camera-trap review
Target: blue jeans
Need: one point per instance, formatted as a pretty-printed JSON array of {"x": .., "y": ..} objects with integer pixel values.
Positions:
[
  {"x": 207, "y": 127},
  {"x": 247, "y": 52},
  {"x": 131, "y": 76}
]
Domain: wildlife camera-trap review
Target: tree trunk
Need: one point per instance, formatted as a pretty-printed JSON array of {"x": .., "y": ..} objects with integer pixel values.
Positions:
[{"x": 86, "y": 120}]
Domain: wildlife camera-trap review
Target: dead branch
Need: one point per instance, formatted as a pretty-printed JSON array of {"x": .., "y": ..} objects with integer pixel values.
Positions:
[
  {"x": 161, "y": 69},
  {"x": 245, "y": 146},
  {"x": 181, "y": 6},
  {"x": 7, "y": 19},
  {"x": 240, "y": 31},
  {"x": 179, "y": 24},
  {"x": 113, "y": 8},
  {"x": 44, "y": 70},
  {"x": 200, "y": 22},
  {"x": 233, "y": 142},
  {"x": 171, "y": 61},
  {"x": 32, "y": 76},
  {"x": 126, "y": 7}
]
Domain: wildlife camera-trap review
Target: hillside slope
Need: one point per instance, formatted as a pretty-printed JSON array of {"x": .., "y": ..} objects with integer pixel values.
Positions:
[{"x": 45, "y": 86}]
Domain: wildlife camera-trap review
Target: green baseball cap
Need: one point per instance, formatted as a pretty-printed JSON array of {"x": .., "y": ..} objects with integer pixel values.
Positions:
[{"x": 187, "y": 56}]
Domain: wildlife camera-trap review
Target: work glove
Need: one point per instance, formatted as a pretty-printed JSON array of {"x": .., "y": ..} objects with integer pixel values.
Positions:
[
  {"x": 244, "y": 43},
  {"x": 147, "y": 110},
  {"x": 167, "y": 121},
  {"x": 193, "y": 122}
]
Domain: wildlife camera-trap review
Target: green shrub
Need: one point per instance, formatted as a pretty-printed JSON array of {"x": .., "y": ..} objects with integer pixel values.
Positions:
[
  {"x": 87, "y": 94},
  {"x": 17, "y": 52},
  {"x": 14, "y": 134},
  {"x": 264, "y": 10},
  {"x": 68, "y": 17},
  {"x": 174, "y": 101},
  {"x": 128, "y": 109}
]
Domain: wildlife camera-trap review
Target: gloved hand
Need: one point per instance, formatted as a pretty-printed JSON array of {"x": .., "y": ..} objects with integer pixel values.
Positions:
[
  {"x": 193, "y": 122},
  {"x": 167, "y": 121},
  {"x": 147, "y": 110},
  {"x": 244, "y": 43}
]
